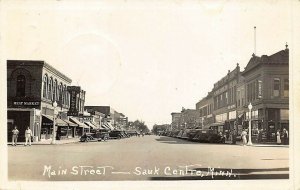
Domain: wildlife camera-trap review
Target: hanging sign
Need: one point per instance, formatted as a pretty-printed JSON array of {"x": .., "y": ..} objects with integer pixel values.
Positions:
[{"x": 73, "y": 91}]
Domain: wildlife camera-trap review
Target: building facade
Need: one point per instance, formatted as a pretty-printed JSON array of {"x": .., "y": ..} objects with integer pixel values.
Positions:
[
  {"x": 32, "y": 87},
  {"x": 205, "y": 108},
  {"x": 267, "y": 89},
  {"x": 224, "y": 97}
]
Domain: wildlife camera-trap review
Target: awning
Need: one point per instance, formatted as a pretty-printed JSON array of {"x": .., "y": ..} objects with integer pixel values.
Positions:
[
  {"x": 108, "y": 126},
  {"x": 241, "y": 115},
  {"x": 58, "y": 121},
  {"x": 97, "y": 125},
  {"x": 73, "y": 119},
  {"x": 71, "y": 124},
  {"x": 217, "y": 124},
  {"x": 91, "y": 125}
]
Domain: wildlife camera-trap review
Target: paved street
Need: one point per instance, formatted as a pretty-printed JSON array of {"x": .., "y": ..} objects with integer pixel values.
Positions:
[{"x": 146, "y": 158}]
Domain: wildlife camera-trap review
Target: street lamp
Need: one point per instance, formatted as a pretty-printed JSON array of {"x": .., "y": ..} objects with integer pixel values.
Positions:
[
  {"x": 250, "y": 117},
  {"x": 54, "y": 128},
  {"x": 185, "y": 125}
]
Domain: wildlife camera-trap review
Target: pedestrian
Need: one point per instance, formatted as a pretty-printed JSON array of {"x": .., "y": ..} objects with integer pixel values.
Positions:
[
  {"x": 15, "y": 133},
  {"x": 28, "y": 134},
  {"x": 285, "y": 136},
  {"x": 278, "y": 137},
  {"x": 244, "y": 137},
  {"x": 259, "y": 135},
  {"x": 233, "y": 136}
]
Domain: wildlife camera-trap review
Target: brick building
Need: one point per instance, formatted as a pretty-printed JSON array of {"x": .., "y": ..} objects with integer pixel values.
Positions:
[
  {"x": 267, "y": 89},
  {"x": 32, "y": 87}
]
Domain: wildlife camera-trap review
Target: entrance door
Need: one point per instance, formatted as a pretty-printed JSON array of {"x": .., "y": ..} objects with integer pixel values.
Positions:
[
  {"x": 271, "y": 131},
  {"x": 10, "y": 127}
]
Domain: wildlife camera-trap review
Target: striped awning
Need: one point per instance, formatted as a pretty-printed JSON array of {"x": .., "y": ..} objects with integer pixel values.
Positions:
[
  {"x": 108, "y": 126},
  {"x": 91, "y": 125},
  {"x": 71, "y": 124},
  {"x": 75, "y": 120},
  {"x": 58, "y": 121}
]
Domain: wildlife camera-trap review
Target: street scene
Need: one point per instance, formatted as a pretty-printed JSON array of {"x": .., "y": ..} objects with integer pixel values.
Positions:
[
  {"x": 147, "y": 158},
  {"x": 107, "y": 92}
]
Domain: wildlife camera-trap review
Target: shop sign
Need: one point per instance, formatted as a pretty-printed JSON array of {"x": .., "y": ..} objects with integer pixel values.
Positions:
[
  {"x": 74, "y": 91},
  {"x": 26, "y": 103},
  {"x": 259, "y": 89}
]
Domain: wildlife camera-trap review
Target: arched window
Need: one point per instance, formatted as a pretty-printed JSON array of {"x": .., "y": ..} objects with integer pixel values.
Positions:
[
  {"x": 45, "y": 86},
  {"x": 67, "y": 98},
  {"x": 54, "y": 90},
  {"x": 21, "y": 81},
  {"x": 65, "y": 95},
  {"x": 50, "y": 86},
  {"x": 60, "y": 93}
]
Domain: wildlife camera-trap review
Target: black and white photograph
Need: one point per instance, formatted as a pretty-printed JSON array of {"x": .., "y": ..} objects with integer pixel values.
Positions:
[{"x": 131, "y": 94}]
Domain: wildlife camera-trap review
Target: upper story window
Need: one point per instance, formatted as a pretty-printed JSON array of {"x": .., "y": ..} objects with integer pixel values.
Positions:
[
  {"x": 286, "y": 88},
  {"x": 21, "y": 81},
  {"x": 50, "y": 89},
  {"x": 276, "y": 87},
  {"x": 54, "y": 90},
  {"x": 45, "y": 86}
]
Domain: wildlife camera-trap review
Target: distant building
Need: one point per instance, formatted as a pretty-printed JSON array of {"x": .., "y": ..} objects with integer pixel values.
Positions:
[
  {"x": 175, "y": 125},
  {"x": 188, "y": 118},
  {"x": 205, "y": 109}
]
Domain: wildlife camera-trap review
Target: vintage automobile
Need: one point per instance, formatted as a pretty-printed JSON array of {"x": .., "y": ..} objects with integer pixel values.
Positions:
[
  {"x": 87, "y": 137},
  {"x": 116, "y": 134},
  {"x": 96, "y": 136},
  {"x": 208, "y": 136}
]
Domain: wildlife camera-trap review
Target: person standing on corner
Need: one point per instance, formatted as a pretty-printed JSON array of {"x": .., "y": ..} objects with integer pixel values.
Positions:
[
  {"x": 28, "y": 134},
  {"x": 244, "y": 137},
  {"x": 285, "y": 137},
  {"x": 278, "y": 136},
  {"x": 15, "y": 133}
]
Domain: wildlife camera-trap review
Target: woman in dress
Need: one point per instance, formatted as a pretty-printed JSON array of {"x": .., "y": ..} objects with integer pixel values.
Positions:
[
  {"x": 244, "y": 137},
  {"x": 278, "y": 137}
]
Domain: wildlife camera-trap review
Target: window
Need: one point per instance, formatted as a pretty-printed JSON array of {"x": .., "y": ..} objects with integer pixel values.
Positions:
[
  {"x": 60, "y": 88},
  {"x": 54, "y": 89},
  {"x": 286, "y": 88},
  {"x": 45, "y": 86},
  {"x": 50, "y": 85},
  {"x": 21, "y": 81},
  {"x": 276, "y": 88}
]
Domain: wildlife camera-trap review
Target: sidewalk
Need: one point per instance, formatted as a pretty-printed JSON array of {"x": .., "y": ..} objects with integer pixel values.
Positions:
[
  {"x": 240, "y": 143},
  {"x": 48, "y": 142}
]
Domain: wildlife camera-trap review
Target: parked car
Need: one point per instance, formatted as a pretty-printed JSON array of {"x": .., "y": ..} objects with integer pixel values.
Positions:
[
  {"x": 192, "y": 132},
  {"x": 116, "y": 134},
  {"x": 208, "y": 136},
  {"x": 87, "y": 137}
]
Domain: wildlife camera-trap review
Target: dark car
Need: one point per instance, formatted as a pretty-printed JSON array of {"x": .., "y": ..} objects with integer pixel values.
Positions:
[
  {"x": 87, "y": 137},
  {"x": 208, "y": 136},
  {"x": 116, "y": 134}
]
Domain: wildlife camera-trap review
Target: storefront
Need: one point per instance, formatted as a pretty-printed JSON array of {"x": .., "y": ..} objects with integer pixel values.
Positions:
[
  {"x": 65, "y": 129},
  {"x": 81, "y": 128}
]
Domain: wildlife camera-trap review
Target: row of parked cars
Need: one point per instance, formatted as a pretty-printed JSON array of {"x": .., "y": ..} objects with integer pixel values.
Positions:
[
  {"x": 196, "y": 135},
  {"x": 104, "y": 135}
]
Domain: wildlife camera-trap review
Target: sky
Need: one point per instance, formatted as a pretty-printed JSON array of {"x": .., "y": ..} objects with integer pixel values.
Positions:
[{"x": 145, "y": 59}]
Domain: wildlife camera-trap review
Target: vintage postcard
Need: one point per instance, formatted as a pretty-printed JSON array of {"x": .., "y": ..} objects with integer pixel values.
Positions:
[{"x": 149, "y": 94}]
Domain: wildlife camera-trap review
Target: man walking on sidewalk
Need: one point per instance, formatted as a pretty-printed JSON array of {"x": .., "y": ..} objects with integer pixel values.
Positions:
[
  {"x": 28, "y": 134},
  {"x": 15, "y": 133}
]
